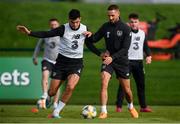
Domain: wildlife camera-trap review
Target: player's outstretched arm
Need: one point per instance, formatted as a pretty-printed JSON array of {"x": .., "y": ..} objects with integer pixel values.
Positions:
[
  {"x": 42, "y": 34},
  {"x": 23, "y": 29}
]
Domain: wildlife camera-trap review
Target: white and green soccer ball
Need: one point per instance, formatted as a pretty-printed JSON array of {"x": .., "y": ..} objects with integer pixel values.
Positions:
[{"x": 89, "y": 112}]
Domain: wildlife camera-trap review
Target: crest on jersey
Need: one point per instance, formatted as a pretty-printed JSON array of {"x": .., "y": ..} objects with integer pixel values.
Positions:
[
  {"x": 119, "y": 33},
  {"x": 107, "y": 34}
]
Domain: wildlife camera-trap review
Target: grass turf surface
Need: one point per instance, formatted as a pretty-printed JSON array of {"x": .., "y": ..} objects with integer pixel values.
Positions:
[{"x": 71, "y": 114}]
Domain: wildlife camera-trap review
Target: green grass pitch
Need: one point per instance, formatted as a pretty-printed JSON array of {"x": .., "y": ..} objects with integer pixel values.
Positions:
[{"x": 71, "y": 114}]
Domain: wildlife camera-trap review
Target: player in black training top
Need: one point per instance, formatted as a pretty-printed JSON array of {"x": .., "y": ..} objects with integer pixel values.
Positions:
[{"x": 117, "y": 37}]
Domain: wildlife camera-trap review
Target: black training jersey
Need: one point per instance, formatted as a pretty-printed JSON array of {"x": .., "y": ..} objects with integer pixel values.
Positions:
[{"x": 117, "y": 39}]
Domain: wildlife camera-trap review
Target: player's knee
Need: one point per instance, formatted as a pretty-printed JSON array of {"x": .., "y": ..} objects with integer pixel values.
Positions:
[
  {"x": 51, "y": 92},
  {"x": 104, "y": 85},
  {"x": 45, "y": 81},
  {"x": 104, "y": 78},
  {"x": 127, "y": 91},
  {"x": 70, "y": 87}
]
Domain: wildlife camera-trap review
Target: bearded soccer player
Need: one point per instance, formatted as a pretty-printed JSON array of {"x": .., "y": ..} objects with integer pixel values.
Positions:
[{"x": 117, "y": 37}]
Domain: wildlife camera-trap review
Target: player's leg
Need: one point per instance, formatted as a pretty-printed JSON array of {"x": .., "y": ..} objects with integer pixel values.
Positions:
[
  {"x": 45, "y": 76},
  {"x": 51, "y": 67},
  {"x": 139, "y": 77},
  {"x": 46, "y": 68},
  {"x": 122, "y": 74},
  {"x": 44, "y": 82},
  {"x": 106, "y": 72},
  {"x": 54, "y": 91},
  {"x": 105, "y": 77},
  {"x": 125, "y": 83},
  {"x": 58, "y": 77},
  {"x": 71, "y": 84},
  {"x": 56, "y": 98},
  {"x": 54, "y": 86},
  {"x": 120, "y": 97}
]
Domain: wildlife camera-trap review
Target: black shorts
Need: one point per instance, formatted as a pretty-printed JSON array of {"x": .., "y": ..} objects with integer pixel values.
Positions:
[
  {"x": 45, "y": 65},
  {"x": 65, "y": 66},
  {"x": 121, "y": 71}
]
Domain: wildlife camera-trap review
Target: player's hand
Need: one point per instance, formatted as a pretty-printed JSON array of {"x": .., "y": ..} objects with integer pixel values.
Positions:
[
  {"x": 87, "y": 33},
  {"x": 107, "y": 60},
  {"x": 148, "y": 60},
  {"x": 35, "y": 62},
  {"x": 105, "y": 54},
  {"x": 23, "y": 29}
]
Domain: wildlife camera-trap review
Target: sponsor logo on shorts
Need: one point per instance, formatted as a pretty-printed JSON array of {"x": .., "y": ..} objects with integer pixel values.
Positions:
[
  {"x": 54, "y": 74},
  {"x": 103, "y": 66},
  {"x": 44, "y": 68},
  {"x": 79, "y": 71},
  {"x": 127, "y": 74}
]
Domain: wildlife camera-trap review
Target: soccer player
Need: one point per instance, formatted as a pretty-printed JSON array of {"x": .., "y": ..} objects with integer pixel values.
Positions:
[
  {"x": 69, "y": 62},
  {"x": 49, "y": 58},
  {"x": 117, "y": 37},
  {"x": 137, "y": 48}
]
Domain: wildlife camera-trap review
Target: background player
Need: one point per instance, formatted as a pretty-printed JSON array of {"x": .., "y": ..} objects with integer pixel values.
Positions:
[
  {"x": 117, "y": 37},
  {"x": 49, "y": 58},
  {"x": 137, "y": 48}
]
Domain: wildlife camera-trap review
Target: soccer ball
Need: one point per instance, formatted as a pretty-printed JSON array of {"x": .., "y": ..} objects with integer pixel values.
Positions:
[
  {"x": 41, "y": 104},
  {"x": 89, "y": 112}
]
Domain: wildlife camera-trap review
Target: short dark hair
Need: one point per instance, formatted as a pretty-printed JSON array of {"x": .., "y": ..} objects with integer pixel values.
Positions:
[
  {"x": 133, "y": 15},
  {"x": 113, "y": 7},
  {"x": 53, "y": 19},
  {"x": 74, "y": 14}
]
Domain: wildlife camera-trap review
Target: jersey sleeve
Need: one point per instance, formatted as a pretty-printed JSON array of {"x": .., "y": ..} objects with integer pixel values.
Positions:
[
  {"x": 45, "y": 34},
  {"x": 98, "y": 35},
  {"x": 91, "y": 47},
  {"x": 93, "y": 39},
  {"x": 146, "y": 48},
  {"x": 37, "y": 48}
]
